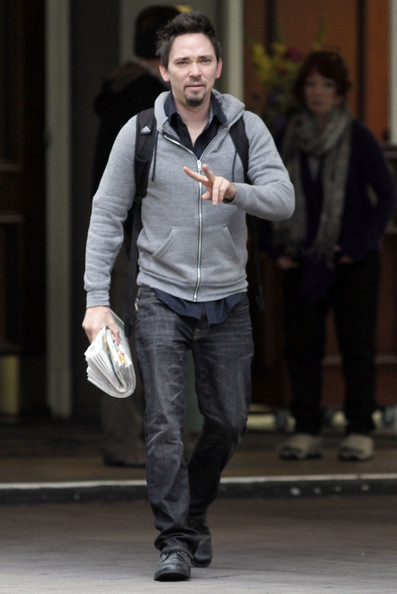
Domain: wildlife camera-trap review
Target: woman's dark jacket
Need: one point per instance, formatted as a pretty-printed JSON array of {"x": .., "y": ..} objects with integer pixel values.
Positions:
[{"x": 369, "y": 203}]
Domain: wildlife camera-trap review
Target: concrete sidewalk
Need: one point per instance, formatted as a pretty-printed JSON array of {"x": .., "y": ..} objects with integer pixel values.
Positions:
[
  {"x": 291, "y": 546},
  {"x": 61, "y": 463},
  {"x": 278, "y": 527}
]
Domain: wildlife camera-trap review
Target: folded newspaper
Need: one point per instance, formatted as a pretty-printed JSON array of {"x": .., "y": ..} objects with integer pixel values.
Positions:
[{"x": 109, "y": 362}]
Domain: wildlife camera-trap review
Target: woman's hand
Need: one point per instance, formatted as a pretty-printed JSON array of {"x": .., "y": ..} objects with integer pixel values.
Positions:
[
  {"x": 343, "y": 259},
  {"x": 285, "y": 262}
]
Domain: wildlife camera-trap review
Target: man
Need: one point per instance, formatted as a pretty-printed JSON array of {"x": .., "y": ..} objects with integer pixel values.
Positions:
[
  {"x": 132, "y": 87},
  {"x": 192, "y": 278}
]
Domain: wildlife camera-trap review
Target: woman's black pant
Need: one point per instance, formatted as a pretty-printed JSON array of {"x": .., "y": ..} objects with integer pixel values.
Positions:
[{"x": 354, "y": 301}]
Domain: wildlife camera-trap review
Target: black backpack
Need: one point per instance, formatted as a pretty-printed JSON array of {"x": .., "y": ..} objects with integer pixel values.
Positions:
[{"x": 146, "y": 134}]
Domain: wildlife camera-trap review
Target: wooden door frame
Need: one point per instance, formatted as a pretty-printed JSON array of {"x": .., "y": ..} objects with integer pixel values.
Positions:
[{"x": 58, "y": 190}]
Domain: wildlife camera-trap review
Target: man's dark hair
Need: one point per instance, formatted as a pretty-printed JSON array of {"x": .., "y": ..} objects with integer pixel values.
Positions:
[
  {"x": 147, "y": 23},
  {"x": 328, "y": 64},
  {"x": 185, "y": 23}
]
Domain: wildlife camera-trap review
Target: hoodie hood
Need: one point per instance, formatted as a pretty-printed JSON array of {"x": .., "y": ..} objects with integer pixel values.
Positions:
[{"x": 232, "y": 108}]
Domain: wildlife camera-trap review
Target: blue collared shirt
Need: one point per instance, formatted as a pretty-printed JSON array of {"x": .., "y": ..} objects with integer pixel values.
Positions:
[{"x": 218, "y": 310}]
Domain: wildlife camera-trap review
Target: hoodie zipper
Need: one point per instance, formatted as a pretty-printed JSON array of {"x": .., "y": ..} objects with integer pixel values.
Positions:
[
  {"x": 200, "y": 206},
  {"x": 200, "y": 218},
  {"x": 200, "y": 234},
  {"x": 200, "y": 214}
]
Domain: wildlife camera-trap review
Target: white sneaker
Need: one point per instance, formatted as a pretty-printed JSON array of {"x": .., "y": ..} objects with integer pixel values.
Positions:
[
  {"x": 301, "y": 446},
  {"x": 356, "y": 447}
]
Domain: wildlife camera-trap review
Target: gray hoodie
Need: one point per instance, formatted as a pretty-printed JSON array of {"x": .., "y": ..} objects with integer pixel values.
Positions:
[{"x": 187, "y": 247}]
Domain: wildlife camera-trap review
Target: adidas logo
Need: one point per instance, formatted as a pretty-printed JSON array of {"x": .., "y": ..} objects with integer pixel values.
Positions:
[{"x": 146, "y": 130}]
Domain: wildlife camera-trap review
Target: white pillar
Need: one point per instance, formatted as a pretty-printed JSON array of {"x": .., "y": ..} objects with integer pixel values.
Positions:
[
  {"x": 233, "y": 50},
  {"x": 57, "y": 209},
  {"x": 393, "y": 72}
]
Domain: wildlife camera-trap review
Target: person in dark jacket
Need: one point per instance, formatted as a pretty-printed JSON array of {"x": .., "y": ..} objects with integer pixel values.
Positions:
[
  {"x": 329, "y": 252},
  {"x": 131, "y": 88}
]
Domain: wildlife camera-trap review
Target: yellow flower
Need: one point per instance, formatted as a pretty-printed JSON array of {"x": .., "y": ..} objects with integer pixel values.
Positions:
[
  {"x": 278, "y": 48},
  {"x": 277, "y": 71}
]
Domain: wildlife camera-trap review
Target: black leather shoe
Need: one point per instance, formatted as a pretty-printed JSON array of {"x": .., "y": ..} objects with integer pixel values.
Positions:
[
  {"x": 203, "y": 554},
  {"x": 174, "y": 566}
]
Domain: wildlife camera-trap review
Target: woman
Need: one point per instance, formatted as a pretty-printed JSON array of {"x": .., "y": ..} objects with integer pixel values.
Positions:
[{"x": 329, "y": 252}]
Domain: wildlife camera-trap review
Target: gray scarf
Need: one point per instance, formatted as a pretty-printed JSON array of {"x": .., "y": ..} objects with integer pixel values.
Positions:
[{"x": 332, "y": 145}]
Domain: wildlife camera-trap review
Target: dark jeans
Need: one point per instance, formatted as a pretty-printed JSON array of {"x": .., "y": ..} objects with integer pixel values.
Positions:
[
  {"x": 222, "y": 355},
  {"x": 354, "y": 300}
]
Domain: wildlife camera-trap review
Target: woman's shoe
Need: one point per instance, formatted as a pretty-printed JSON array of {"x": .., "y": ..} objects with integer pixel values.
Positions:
[
  {"x": 356, "y": 448},
  {"x": 301, "y": 446}
]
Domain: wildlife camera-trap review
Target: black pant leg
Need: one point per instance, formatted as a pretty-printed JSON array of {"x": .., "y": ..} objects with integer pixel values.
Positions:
[
  {"x": 304, "y": 346},
  {"x": 355, "y": 302}
]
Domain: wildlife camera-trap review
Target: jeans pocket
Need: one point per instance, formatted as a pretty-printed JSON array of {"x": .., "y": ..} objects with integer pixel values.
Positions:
[{"x": 145, "y": 295}]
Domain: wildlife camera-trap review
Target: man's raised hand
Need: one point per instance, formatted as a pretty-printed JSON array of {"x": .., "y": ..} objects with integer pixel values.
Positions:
[{"x": 218, "y": 188}]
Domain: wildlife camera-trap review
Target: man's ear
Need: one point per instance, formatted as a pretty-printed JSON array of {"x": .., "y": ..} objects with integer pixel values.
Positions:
[
  {"x": 219, "y": 68},
  {"x": 164, "y": 73}
]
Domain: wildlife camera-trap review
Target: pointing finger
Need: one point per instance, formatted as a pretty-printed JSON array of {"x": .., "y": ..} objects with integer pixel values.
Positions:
[{"x": 194, "y": 175}]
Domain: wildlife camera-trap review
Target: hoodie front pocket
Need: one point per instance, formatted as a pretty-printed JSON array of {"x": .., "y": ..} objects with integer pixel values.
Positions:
[
  {"x": 176, "y": 258},
  {"x": 220, "y": 263}
]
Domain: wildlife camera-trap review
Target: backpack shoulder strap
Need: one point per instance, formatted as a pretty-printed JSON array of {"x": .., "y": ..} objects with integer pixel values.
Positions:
[
  {"x": 144, "y": 146},
  {"x": 240, "y": 140},
  {"x": 145, "y": 138}
]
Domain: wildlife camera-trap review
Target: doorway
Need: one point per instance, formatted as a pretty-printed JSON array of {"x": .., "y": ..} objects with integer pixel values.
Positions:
[{"x": 22, "y": 209}]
